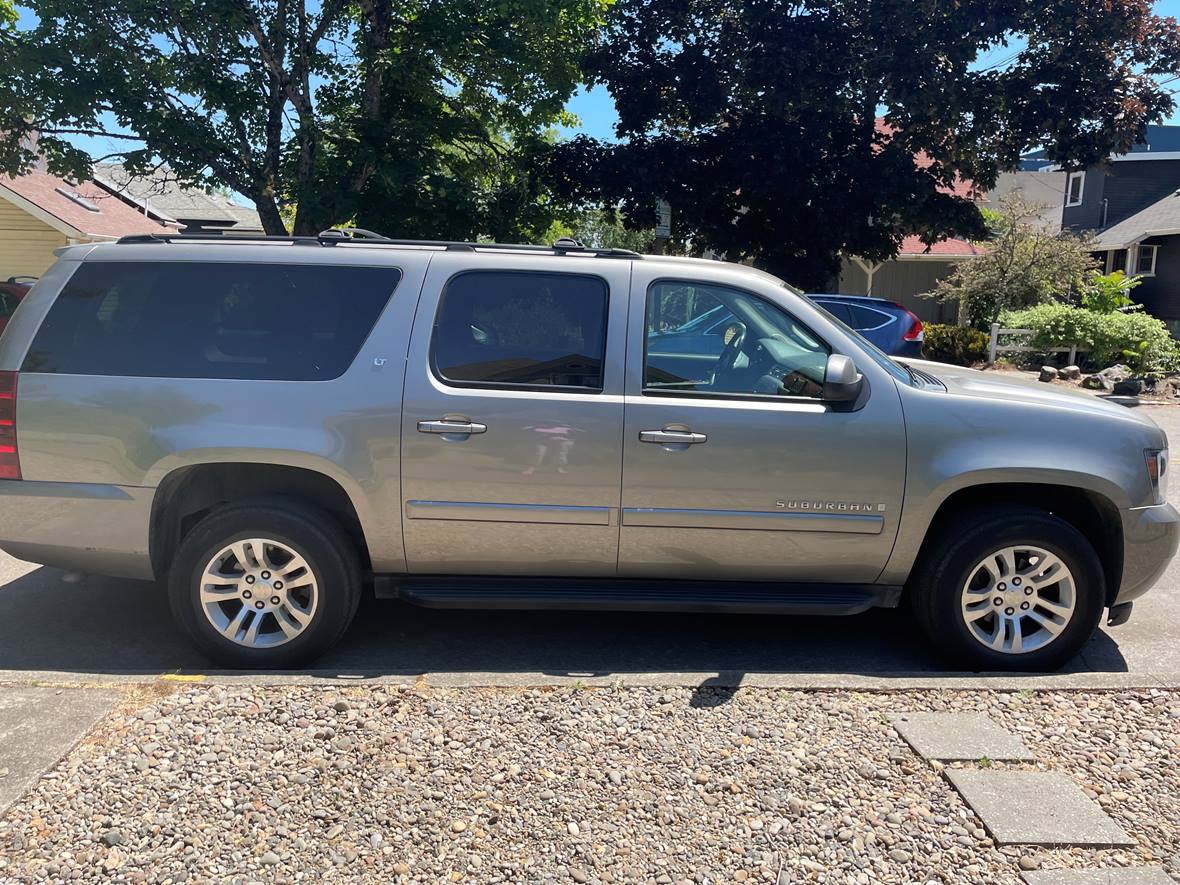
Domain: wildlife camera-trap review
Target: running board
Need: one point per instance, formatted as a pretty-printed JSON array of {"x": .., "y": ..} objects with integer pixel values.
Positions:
[{"x": 622, "y": 594}]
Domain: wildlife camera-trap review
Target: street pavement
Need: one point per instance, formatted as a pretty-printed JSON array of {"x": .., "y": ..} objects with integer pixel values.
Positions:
[{"x": 102, "y": 629}]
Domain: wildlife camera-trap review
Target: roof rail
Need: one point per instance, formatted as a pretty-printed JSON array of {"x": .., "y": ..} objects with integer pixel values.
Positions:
[{"x": 344, "y": 236}]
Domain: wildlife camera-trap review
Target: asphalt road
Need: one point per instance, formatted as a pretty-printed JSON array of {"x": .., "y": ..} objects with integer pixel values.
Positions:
[{"x": 101, "y": 628}]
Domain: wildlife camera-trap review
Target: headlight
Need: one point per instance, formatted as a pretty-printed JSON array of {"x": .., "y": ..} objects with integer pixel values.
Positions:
[{"x": 1157, "y": 472}]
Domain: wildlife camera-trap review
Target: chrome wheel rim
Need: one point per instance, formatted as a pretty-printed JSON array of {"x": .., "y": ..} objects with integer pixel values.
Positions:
[
  {"x": 1018, "y": 599},
  {"x": 259, "y": 593}
]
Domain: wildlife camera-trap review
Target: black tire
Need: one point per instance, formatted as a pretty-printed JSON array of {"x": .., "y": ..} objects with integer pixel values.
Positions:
[
  {"x": 328, "y": 551},
  {"x": 946, "y": 563}
]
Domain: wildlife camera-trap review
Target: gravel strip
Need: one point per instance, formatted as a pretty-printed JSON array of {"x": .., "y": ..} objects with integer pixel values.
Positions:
[{"x": 250, "y": 783}]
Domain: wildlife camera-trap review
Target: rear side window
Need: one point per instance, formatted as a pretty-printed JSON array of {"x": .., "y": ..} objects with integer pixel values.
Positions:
[
  {"x": 868, "y": 318},
  {"x": 509, "y": 329},
  {"x": 293, "y": 322}
]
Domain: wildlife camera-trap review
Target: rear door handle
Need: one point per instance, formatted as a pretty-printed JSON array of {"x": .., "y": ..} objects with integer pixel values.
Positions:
[
  {"x": 444, "y": 426},
  {"x": 672, "y": 437}
]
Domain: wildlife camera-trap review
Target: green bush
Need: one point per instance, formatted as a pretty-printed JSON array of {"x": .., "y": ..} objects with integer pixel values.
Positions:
[
  {"x": 1135, "y": 338},
  {"x": 960, "y": 345}
]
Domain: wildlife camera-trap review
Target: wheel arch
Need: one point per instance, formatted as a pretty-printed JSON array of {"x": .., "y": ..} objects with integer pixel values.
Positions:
[
  {"x": 1090, "y": 511},
  {"x": 186, "y": 494}
]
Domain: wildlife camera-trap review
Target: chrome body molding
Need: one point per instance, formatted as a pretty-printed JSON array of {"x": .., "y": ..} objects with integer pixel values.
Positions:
[
  {"x": 758, "y": 520},
  {"x": 476, "y": 511}
]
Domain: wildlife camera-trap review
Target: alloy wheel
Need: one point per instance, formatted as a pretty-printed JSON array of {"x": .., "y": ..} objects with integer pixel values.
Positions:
[
  {"x": 1018, "y": 599},
  {"x": 259, "y": 592}
]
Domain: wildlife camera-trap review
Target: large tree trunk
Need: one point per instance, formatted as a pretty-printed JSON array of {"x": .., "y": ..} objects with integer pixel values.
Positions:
[{"x": 268, "y": 214}]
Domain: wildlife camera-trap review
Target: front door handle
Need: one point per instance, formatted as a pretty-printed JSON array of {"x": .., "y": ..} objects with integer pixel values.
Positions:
[
  {"x": 444, "y": 426},
  {"x": 672, "y": 437}
]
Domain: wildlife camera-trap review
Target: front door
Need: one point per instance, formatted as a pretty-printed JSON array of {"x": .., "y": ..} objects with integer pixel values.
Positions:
[
  {"x": 733, "y": 465},
  {"x": 513, "y": 416}
]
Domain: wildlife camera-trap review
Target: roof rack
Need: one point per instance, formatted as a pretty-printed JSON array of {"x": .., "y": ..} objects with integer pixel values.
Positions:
[{"x": 346, "y": 235}]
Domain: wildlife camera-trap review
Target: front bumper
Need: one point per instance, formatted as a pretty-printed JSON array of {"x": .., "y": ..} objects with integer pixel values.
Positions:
[{"x": 1151, "y": 536}]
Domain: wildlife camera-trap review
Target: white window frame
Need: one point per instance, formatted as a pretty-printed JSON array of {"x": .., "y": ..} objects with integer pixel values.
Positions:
[
  {"x": 1140, "y": 272},
  {"x": 1081, "y": 178}
]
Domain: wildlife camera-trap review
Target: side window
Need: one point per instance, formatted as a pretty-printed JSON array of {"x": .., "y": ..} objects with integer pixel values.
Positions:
[
  {"x": 170, "y": 319},
  {"x": 839, "y": 310},
  {"x": 866, "y": 318},
  {"x": 514, "y": 329},
  {"x": 762, "y": 350}
]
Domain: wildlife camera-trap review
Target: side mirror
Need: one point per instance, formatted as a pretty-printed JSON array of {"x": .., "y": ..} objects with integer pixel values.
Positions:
[{"x": 842, "y": 383}]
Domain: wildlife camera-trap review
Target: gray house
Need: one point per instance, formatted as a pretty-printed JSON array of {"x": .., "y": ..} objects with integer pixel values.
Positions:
[{"x": 1132, "y": 206}]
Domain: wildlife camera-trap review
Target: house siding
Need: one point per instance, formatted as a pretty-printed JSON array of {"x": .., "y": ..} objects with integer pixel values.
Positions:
[
  {"x": 1160, "y": 294},
  {"x": 26, "y": 243},
  {"x": 1127, "y": 186},
  {"x": 903, "y": 282}
]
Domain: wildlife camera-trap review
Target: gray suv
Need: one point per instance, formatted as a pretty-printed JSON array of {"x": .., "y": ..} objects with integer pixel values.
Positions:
[{"x": 272, "y": 427}]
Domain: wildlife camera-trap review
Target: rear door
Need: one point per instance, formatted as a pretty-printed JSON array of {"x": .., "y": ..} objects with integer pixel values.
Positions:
[
  {"x": 513, "y": 416},
  {"x": 739, "y": 470}
]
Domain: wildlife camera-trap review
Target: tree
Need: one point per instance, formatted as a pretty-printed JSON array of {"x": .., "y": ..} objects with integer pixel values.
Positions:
[
  {"x": 1024, "y": 265},
  {"x": 756, "y": 119},
  {"x": 605, "y": 229},
  {"x": 290, "y": 105}
]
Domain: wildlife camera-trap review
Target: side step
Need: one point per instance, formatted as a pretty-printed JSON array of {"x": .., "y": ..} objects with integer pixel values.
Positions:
[{"x": 622, "y": 594}]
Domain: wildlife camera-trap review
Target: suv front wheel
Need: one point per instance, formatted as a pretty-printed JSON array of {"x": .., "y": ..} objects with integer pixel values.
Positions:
[
  {"x": 1015, "y": 589},
  {"x": 262, "y": 585}
]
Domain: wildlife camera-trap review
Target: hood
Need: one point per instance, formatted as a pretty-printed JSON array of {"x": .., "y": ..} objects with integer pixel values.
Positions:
[{"x": 1010, "y": 386}]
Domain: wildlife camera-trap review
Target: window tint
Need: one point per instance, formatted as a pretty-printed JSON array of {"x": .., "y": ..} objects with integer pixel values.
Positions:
[
  {"x": 867, "y": 317},
  {"x": 521, "y": 329},
  {"x": 292, "y": 322},
  {"x": 762, "y": 350},
  {"x": 837, "y": 309}
]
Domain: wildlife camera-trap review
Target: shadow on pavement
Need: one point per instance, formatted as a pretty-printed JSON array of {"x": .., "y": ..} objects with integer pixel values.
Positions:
[{"x": 107, "y": 625}]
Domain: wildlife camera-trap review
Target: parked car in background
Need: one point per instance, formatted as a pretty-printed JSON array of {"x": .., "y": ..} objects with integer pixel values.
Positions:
[
  {"x": 11, "y": 292},
  {"x": 891, "y": 327}
]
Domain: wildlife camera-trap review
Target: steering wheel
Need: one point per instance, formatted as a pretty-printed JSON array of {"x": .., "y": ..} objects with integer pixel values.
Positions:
[{"x": 735, "y": 338}]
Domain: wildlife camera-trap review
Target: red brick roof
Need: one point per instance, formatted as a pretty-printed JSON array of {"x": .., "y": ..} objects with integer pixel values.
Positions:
[
  {"x": 114, "y": 218},
  {"x": 913, "y": 245}
]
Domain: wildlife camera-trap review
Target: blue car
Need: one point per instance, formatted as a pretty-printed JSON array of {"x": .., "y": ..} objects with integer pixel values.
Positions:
[
  {"x": 897, "y": 331},
  {"x": 890, "y": 326}
]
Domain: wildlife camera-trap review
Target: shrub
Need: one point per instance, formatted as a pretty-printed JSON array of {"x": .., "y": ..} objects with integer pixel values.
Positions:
[
  {"x": 961, "y": 345},
  {"x": 1135, "y": 338}
]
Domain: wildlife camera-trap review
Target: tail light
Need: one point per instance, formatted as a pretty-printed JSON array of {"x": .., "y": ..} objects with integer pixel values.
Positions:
[
  {"x": 9, "y": 459},
  {"x": 916, "y": 332}
]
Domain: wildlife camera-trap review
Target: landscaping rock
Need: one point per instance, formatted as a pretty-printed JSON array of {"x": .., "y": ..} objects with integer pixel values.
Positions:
[
  {"x": 1128, "y": 387},
  {"x": 1048, "y": 373},
  {"x": 1097, "y": 382},
  {"x": 1071, "y": 373},
  {"x": 1116, "y": 373}
]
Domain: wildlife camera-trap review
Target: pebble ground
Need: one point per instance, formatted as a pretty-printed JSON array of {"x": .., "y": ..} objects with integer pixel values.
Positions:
[{"x": 207, "y": 783}]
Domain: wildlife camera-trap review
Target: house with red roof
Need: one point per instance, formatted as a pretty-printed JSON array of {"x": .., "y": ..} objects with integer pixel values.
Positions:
[
  {"x": 917, "y": 267},
  {"x": 40, "y": 212}
]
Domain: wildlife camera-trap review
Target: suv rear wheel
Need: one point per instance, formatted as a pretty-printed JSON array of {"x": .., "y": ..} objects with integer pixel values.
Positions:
[
  {"x": 260, "y": 585},
  {"x": 1015, "y": 589}
]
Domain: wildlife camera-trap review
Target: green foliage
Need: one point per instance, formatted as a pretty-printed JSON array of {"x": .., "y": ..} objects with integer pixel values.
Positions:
[
  {"x": 7, "y": 14},
  {"x": 341, "y": 110},
  {"x": 1023, "y": 266},
  {"x": 1135, "y": 338},
  {"x": 1107, "y": 293},
  {"x": 960, "y": 345},
  {"x": 605, "y": 229},
  {"x": 755, "y": 120}
]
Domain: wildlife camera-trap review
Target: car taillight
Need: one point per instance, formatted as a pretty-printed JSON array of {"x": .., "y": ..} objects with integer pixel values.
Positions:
[
  {"x": 915, "y": 333},
  {"x": 9, "y": 459}
]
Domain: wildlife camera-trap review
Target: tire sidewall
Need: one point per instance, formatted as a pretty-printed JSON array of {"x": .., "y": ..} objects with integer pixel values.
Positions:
[
  {"x": 944, "y": 602},
  {"x": 335, "y": 575}
]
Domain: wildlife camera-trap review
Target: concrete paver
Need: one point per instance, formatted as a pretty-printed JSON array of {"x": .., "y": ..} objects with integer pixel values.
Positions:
[
  {"x": 1111, "y": 876},
  {"x": 951, "y": 737},
  {"x": 1036, "y": 808},
  {"x": 40, "y": 725}
]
